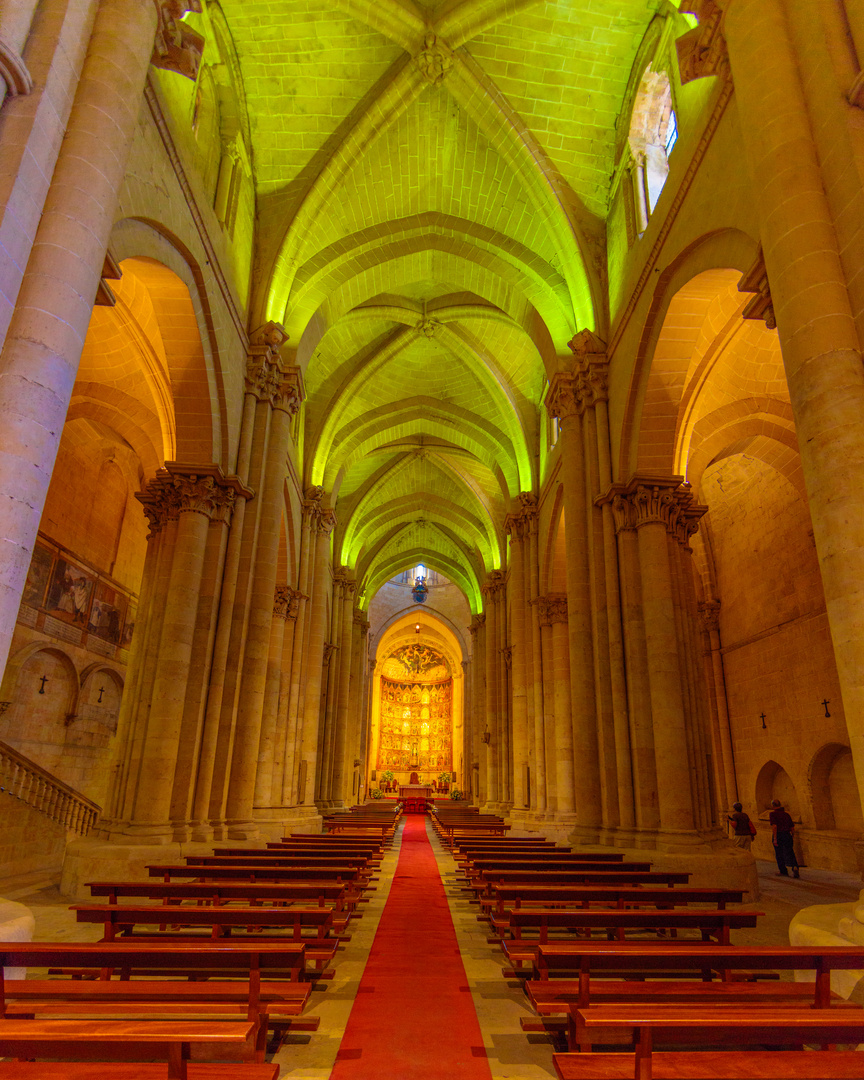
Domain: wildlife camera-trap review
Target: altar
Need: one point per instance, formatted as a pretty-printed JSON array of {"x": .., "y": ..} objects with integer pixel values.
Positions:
[{"x": 415, "y": 791}]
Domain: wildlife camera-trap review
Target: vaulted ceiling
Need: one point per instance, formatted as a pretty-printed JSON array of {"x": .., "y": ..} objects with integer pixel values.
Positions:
[{"x": 432, "y": 183}]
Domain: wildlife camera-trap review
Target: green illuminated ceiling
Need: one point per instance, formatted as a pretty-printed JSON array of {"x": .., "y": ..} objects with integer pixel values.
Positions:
[{"x": 432, "y": 184}]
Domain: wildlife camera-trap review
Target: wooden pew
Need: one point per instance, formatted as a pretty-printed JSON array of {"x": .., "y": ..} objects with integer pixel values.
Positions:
[
  {"x": 775, "y": 1026},
  {"x": 329, "y": 894},
  {"x": 711, "y": 923},
  {"x": 522, "y": 894},
  {"x": 347, "y": 875},
  {"x": 233, "y": 985},
  {"x": 120, "y": 1041},
  {"x": 221, "y": 921}
]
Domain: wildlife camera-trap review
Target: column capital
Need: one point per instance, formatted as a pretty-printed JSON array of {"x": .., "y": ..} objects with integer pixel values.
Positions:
[
  {"x": 552, "y": 608},
  {"x": 645, "y": 500},
  {"x": 591, "y": 368},
  {"x": 268, "y": 377},
  {"x": 493, "y": 586},
  {"x": 477, "y": 623},
  {"x": 346, "y": 584},
  {"x": 507, "y": 653},
  {"x": 329, "y": 649},
  {"x": 761, "y": 306},
  {"x": 180, "y": 488},
  {"x": 316, "y": 514},
  {"x": 522, "y": 522},
  {"x": 281, "y": 600},
  {"x": 702, "y": 50},
  {"x": 177, "y": 47}
]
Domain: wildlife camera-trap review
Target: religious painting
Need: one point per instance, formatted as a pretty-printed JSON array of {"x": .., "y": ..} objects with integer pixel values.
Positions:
[
  {"x": 107, "y": 614},
  {"x": 38, "y": 576},
  {"x": 70, "y": 593},
  {"x": 128, "y": 627},
  {"x": 416, "y": 660}
]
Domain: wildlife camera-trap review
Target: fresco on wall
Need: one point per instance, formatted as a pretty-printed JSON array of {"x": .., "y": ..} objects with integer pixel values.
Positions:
[
  {"x": 415, "y": 661},
  {"x": 70, "y": 592}
]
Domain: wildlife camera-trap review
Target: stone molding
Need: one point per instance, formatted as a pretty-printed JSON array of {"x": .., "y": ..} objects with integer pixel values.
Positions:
[
  {"x": 13, "y": 72},
  {"x": 756, "y": 281},
  {"x": 647, "y": 500},
  {"x": 434, "y": 60},
  {"x": 702, "y": 51},
  {"x": 200, "y": 489},
  {"x": 552, "y": 609},
  {"x": 177, "y": 47}
]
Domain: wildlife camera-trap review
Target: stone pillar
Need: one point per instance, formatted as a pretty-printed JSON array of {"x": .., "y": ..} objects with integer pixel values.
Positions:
[
  {"x": 721, "y": 734},
  {"x": 563, "y": 403},
  {"x": 553, "y": 616},
  {"x": 656, "y": 508},
  {"x": 189, "y": 498},
  {"x": 809, "y": 292},
  {"x": 322, "y": 521},
  {"x": 491, "y": 591},
  {"x": 479, "y": 778},
  {"x": 523, "y": 755},
  {"x": 532, "y": 589},
  {"x": 342, "y": 746},
  {"x": 285, "y": 394},
  {"x": 295, "y": 697},
  {"x": 284, "y": 737},
  {"x": 46, "y": 334},
  {"x": 268, "y": 743}
]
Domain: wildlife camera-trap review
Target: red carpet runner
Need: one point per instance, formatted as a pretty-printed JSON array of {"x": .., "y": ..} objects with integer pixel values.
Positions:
[{"x": 414, "y": 1017}]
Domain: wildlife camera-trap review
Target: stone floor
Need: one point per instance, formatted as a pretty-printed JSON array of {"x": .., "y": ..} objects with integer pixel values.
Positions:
[{"x": 499, "y": 1002}]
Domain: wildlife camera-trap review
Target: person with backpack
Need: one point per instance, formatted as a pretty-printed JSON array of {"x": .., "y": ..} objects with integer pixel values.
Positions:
[{"x": 744, "y": 830}]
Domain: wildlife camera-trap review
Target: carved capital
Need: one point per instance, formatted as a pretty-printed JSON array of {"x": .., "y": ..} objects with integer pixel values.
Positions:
[
  {"x": 477, "y": 623},
  {"x": 267, "y": 377},
  {"x": 177, "y": 47},
  {"x": 329, "y": 649},
  {"x": 199, "y": 489},
  {"x": 761, "y": 306},
  {"x": 435, "y": 59},
  {"x": 281, "y": 599},
  {"x": 649, "y": 500},
  {"x": 507, "y": 653},
  {"x": 702, "y": 51},
  {"x": 710, "y": 612},
  {"x": 591, "y": 369},
  {"x": 552, "y": 608},
  {"x": 492, "y": 588},
  {"x": 563, "y": 399}
]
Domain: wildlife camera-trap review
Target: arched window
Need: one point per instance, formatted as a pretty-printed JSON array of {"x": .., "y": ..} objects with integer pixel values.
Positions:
[{"x": 653, "y": 134}]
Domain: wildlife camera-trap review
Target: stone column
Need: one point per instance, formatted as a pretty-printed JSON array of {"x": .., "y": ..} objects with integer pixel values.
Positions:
[
  {"x": 721, "y": 735},
  {"x": 267, "y": 746},
  {"x": 321, "y": 523},
  {"x": 478, "y": 633},
  {"x": 284, "y": 737},
  {"x": 295, "y": 698},
  {"x": 532, "y": 589},
  {"x": 656, "y": 507},
  {"x": 821, "y": 347},
  {"x": 553, "y": 615},
  {"x": 342, "y": 741},
  {"x": 515, "y": 525},
  {"x": 190, "y": 497},
  {"x": 490, "y": 596},
  {"x": 43, "y": 344},
  {"x": 563, "y": 403},
  {"x": 285, "y": 384}
]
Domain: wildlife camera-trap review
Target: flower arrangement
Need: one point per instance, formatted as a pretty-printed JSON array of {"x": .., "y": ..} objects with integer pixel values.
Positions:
[
  {"x": 454, "y": 794},
  {"x": 377, "y": 793},
  {"x": 445, "y": 777},
  {"x": 387, "y": 776}
]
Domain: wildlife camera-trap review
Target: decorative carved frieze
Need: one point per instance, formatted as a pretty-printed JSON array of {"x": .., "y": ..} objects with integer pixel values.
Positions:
[
  {"x": 177, "y": 47},
  {"x": 552, "y": 608},
  {"x": 435, "y": 59},
  {"x": 702, "y": 51},
  {"x": 756, "y": 281},
  {"x": 645, "y": 500}
]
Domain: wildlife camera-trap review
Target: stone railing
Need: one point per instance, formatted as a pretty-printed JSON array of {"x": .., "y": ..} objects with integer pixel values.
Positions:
[{"x": 26, "y": 781}]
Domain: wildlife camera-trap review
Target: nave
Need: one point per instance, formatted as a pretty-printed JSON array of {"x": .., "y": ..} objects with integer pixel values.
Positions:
[{"x": 399, "y": 997}]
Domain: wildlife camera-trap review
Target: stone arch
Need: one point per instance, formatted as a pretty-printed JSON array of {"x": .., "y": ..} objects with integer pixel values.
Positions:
[
  {"x": 728, "y": 250},
  {"x": 102, "y": 707},
  {"x": 202, "y": 435},
  {"x": 773, "y": 782},
  {"x": 834, "y": 791}
]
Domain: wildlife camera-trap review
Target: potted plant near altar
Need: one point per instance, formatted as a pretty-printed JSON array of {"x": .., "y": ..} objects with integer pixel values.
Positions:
[
  {"x": 455, "y": 795},
  {"x": 377, "y": 793},
  {"x": 444, "y": 779},
  {"x": 387, "y": 777}
]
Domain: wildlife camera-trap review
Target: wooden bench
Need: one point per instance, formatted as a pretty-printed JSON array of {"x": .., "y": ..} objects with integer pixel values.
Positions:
[
  {"x": 120, "y": 1040},
  {"x": 345, "y": 875},
  {"x": 710, "y": 923},
  {"x": 324, "y": 893},
  {"x": 778, "y": 1027},
  {"x": 221, "y": 921},
  {"x": 233, "y": 985},
  {"x": 506, "y": 897}
]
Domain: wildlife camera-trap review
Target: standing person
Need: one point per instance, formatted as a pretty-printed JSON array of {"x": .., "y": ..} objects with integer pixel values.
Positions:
[
  {"x": 741, "y": 822},
  {"x": 782, "y": 827}
]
